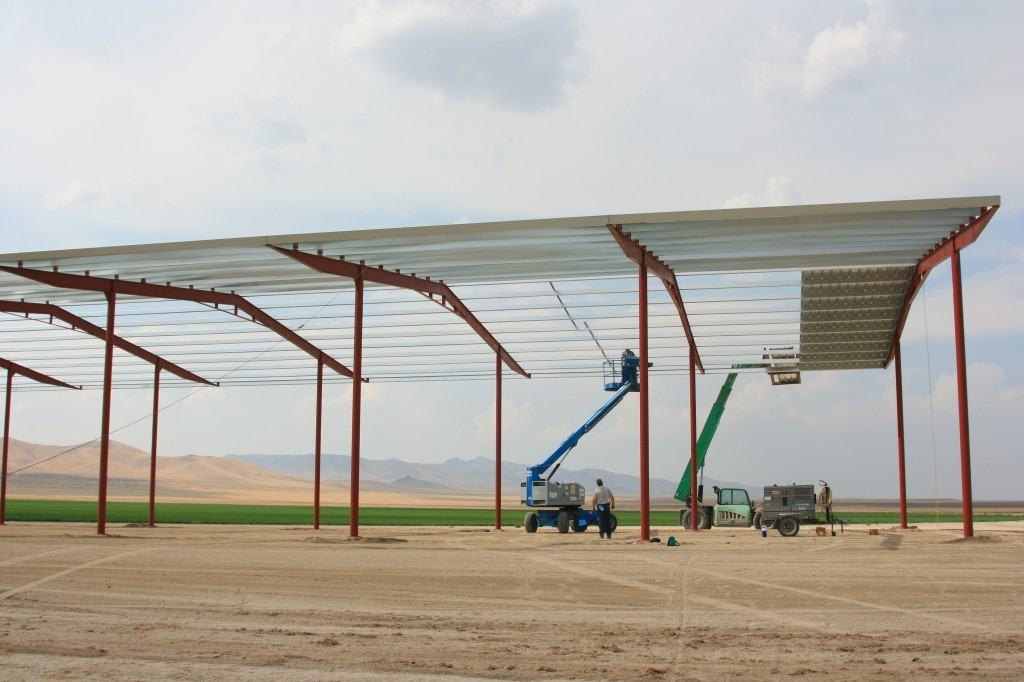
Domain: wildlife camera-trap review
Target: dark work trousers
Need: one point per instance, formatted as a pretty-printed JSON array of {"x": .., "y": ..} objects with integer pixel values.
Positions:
[{"x": 604, "y": 521}]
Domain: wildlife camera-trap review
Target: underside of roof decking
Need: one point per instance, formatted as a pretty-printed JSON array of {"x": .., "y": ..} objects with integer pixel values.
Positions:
[{"x": 831, "y": 281}]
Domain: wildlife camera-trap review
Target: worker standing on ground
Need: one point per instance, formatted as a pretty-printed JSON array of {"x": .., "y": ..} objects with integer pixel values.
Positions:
[{"x": 604, "y": 502}]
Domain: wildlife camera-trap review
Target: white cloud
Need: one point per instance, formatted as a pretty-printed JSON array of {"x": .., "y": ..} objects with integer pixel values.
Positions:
[
  {"x": 778, "y": 190},
  {"x": 839, "y": 53},
  {"x": 835, "y": 57},
  {"x": 75, "y": 193},
  {"x": 513, "y": 56}
]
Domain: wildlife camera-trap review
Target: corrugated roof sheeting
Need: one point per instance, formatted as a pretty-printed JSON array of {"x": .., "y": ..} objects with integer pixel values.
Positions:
[
  {"x": 557, "y": 293},
  {"x": 847, "y": 300}
]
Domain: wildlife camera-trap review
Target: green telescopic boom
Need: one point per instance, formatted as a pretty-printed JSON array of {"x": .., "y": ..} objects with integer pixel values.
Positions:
[{"x": 706, "y": 434}]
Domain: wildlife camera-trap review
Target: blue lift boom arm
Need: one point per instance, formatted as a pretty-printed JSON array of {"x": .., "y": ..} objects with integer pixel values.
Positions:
[{"x": 537, "y": 471}]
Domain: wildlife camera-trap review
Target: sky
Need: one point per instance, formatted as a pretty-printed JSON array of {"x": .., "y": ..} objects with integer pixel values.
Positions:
[{"x": 124, "y": 122}]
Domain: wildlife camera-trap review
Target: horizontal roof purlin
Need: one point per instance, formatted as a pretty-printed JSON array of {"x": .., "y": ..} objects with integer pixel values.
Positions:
[{"x": 851, "y": 262}]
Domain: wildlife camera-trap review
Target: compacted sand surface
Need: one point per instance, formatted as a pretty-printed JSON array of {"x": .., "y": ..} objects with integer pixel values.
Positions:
[{"x": 261, "y": 603}]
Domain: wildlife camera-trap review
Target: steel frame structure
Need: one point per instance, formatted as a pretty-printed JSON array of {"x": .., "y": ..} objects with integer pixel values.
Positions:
[
  {"x": 12, "y": 369},
  {"x": 641, "y": 255},
  {"x": 866, "y": 265},
  {"x": 436, "y": 291},
  {"x": 649, "y": 262},
  {"x": 947, "y": 249},
  {"x": 56, "y": 312},
  {"x": 110, "y": 288}
]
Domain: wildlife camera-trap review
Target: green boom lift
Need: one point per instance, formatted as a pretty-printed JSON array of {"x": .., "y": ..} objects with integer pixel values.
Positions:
[
  {"x": 706, "y": 434},
  {"x": 733, "y": 506}
]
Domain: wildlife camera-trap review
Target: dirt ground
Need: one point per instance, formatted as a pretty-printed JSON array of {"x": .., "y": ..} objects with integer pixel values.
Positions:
[{"x": 262, "y": 603}]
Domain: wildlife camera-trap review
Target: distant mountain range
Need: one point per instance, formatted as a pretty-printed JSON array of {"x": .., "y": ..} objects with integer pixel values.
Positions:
[
  {"x": 454, "y": 474},
  {"x": 55, "y": 471}
]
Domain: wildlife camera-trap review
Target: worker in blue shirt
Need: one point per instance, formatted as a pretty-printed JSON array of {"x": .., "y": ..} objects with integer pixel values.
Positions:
[
  {"x": 603, "y": 502},
  {"x": 628, "y": 372}
]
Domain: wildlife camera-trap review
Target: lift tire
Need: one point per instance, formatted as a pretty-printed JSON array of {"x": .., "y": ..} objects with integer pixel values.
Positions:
[
  {"x": 682, "y": 517},
  {"x": 563, "y": 521},
  {"x": 704, "y": 520},
  {"x": 788, "y": 526},
  {"x": 613, "y": 522},
  {"x": 577, "y": 527},
  {"x": 530, "y": 522}
]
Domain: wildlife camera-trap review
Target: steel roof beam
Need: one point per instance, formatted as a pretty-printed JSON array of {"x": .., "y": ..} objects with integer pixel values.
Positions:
[
  {"x": 76, "y": 322},
  {"x": 966, "y": 235},
  {"x": 641, "y": 255},
  {"x": 436, "y": 290},
  {"x": 34, "y": 375},
  {"x": 63, "y": 280},
  {"x": 12, "y": 369}
]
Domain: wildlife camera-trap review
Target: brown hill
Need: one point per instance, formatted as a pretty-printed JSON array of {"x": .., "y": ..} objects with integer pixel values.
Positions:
[
  {"x": 126, "y": 462},
  {"x": 192, "y": 478}
]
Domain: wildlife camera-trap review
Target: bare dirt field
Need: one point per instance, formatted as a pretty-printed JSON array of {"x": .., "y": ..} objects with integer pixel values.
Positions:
[{"x": 261, "y": 603}]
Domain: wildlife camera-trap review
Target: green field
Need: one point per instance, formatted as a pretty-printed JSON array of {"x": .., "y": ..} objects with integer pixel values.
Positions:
[{"x": 135, "y": 512}]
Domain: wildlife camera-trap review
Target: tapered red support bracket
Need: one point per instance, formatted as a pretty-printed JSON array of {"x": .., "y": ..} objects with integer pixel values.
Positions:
[
  {"x": 961, "y": 392},
  {"x": 7, "y": 440},
  {"x": 12, "y": 369},
  {"x": 901, "y": 452},
  {"x": 152, "y": 450},
  {"x": 357, "y": 396},
  {"x": 497, "y": 443},
  {"x": 318, "y": 441},
  {"x": 641, "y": 255},
  {"x": 694, "y": 502},
  {"x": 645, "y": 426},
  {"x": 108, "y": 379}
]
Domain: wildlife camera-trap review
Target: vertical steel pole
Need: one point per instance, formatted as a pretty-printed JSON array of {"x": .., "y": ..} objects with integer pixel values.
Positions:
[
  {"x": 357, "y": 394},
  {"x": 694, "y": 502},
  {"x": 7, "y": 439},
  {"x": 645, "y": 436},
  {"x": 108, "y": 376},
  {"x": 961, "y": 386},
  {"x": 319, "y": 422},
  {"x": 152, "y": 447},
  {"x": 899, "y": 436},
  {"x": 497, "y": 443}
]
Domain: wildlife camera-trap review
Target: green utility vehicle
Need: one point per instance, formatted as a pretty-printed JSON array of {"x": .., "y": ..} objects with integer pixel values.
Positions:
[
  {"x": 784, "y": 507},
  {"x": 732, "y": 508}
]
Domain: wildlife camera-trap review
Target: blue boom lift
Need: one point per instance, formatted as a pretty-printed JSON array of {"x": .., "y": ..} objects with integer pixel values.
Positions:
[{"x": 561, "y": 505}]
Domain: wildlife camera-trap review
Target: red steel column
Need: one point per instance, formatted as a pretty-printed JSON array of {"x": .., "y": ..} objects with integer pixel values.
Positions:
[
  {"x": 108, "y": 376},
  {"x": 694, "y": 503},
  {"x": 497, "y": 444},
  {"x": 7, "y": 438},
  {"x": 152, "y": 448},
  {"x": 961, "y": 386},
  {"x": 319, "y": 422},
  {"x": 357, "y": 394},
  {"x": 899, "y": 436},
  {"x": 645, "y": 435}
]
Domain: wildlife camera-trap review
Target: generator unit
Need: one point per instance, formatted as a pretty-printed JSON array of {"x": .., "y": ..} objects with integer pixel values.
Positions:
[{"x": 785, "y": 507}]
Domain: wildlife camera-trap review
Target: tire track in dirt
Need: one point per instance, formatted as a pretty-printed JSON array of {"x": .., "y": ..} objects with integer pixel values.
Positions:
[
  {"x": 67, "y": 571},
  {"x": 846, "y": 600},
  {"x": 40, "y": 555},
  {"x": 710, "y": 602},
  {"x": 681, "y": 596}
]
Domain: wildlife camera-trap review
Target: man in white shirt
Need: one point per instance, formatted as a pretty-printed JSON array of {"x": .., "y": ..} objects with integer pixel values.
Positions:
[{"x": 604, "y": 502}]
